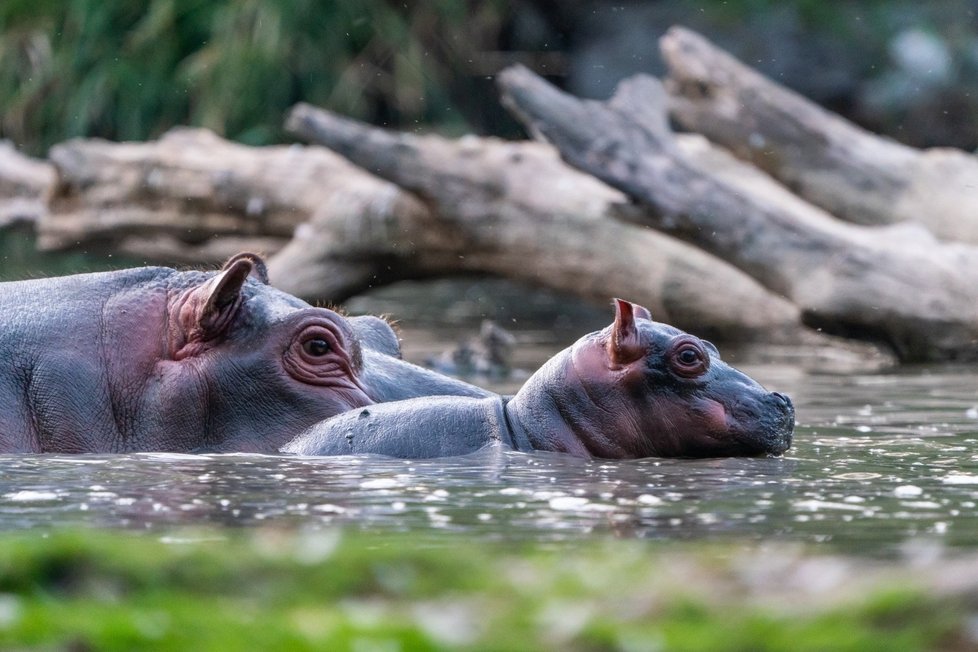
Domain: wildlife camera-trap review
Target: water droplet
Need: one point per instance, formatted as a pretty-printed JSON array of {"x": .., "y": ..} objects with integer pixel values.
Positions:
[
  {"x": 960, "y": 478},
  {"x": 907, "y": 491},
  {"x": 567, "y": 502}
]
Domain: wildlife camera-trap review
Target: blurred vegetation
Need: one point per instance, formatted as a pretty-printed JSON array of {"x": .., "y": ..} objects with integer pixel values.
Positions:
[
  {"x": 20, "y": 259},
  {"x": 128, "y": 70},
  {"x": 270, "y": 590}
]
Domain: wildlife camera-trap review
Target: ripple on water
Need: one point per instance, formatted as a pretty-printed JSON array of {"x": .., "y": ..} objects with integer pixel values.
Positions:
[
  {"x": 857, "y": 475},
  {"x": 961, "y": 478},
  {"x": 30, "y": 496}
]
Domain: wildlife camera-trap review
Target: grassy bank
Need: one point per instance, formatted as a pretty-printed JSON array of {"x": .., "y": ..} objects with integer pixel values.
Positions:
[{"x": 103, "y": 590}]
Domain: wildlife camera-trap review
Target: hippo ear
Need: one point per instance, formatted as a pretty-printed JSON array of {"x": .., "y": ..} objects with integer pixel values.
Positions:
[
  {"x": 259, "y": 269},
  {"x": 214, "y": 303},
  {"x": 625, "y": 344}
]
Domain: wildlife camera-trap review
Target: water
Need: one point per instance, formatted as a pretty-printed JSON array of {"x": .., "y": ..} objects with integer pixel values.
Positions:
[
  {"x": 884, "y": 464},
  {"x": 880, "y": 461}
]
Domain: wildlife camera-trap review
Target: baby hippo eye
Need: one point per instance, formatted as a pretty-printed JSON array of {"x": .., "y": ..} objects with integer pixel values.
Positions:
[
  {"x": 689, "y": 356},
  {"x": 689, "y": 359},
  {"x": 316, "y": 347}
]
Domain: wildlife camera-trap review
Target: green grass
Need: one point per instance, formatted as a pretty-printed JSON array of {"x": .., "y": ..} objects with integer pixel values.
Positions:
[{"x": 271, "y": 590}]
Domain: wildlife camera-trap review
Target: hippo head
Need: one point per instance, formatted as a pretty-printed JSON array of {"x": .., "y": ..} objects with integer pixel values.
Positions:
[
  {"x": 248, "y": 366},
  {"x": 640, "y": 388}
]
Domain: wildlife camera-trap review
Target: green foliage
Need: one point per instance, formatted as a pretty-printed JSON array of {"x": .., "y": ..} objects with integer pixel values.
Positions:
[
  {"x": 129, "y": 70},
  {"x": 314, "y": 590}
]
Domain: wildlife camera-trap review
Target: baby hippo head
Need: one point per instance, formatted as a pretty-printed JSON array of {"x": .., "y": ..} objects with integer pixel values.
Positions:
[{"x": 654, "y": 390}]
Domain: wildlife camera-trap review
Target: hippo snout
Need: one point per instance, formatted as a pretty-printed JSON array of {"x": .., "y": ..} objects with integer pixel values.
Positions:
[{"x": 784, "y": 423}]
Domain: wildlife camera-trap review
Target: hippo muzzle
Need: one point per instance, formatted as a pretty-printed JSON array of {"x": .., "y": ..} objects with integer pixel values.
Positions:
[
  {"x": 775, "y": 427},
  {"x": 784, "y": 426}
]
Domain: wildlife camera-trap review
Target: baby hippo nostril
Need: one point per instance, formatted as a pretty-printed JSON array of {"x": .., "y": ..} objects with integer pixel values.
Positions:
[{"x": 782, "y": 398}]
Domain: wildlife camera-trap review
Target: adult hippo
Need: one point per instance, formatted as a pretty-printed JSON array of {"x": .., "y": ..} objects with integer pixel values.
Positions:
[
  {"x": 155, "y": 359},
  {"x": 635, "y": 389}
]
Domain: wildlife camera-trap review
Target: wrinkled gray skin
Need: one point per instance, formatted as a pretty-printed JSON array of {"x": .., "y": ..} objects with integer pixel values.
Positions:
[
  {"x": 635, "y": 389},
  {"x": 153, "y": 359}
]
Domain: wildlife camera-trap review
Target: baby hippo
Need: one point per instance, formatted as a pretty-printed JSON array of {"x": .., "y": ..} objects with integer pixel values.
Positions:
[{"x": 635, "y": 389}]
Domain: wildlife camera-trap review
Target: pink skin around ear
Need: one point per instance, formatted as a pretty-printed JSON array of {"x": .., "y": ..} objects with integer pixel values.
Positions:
[
  {"x": 206, "y": 311},
  {"x": 624, "y": 345}
]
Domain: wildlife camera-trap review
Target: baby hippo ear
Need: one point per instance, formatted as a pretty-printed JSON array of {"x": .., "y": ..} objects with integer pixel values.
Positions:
[
  {"x": 641, "y": 312},
  {"x": 625, "y": 343}
]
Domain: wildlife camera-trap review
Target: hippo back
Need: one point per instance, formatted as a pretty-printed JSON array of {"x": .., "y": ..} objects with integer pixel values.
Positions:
[
  {"x": 52, "y": 336},
  {"x": 438, "y": 426}
]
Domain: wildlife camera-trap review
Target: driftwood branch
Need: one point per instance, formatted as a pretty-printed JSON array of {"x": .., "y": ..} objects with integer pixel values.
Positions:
[
  {"x": 192, "y": 196},
  {"x": 25, "y": 185},
  {"x": 515, "y": 210},
  {"x": 853, "y": 174},
  {"x": 898, "y": 285}
]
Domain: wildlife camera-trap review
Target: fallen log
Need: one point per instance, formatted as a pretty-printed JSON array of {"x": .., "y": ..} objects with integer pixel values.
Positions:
[
  {"x": 897, "y": 285},
  {"x": 515, "y": 210},
  {"x": 854, "y": 174},
  {"x": 25, "y": 185},
  {"x": 191, "y": 196}
]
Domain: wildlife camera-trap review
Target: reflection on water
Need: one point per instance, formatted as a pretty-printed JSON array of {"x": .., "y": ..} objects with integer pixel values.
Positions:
[{"x": 882, "y": 460}]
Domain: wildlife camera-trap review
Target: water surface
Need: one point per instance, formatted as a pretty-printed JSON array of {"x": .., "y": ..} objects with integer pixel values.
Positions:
[{"x": 884, "y": 463}]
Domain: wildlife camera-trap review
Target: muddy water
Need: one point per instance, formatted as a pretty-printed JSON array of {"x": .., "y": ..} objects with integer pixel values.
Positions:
[{"x": 885, "y": 463}]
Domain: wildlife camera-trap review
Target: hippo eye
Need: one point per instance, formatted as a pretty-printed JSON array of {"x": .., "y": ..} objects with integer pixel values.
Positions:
[
  {"x": 689, "y": 360},
  {"x": 316, "y": 348}
]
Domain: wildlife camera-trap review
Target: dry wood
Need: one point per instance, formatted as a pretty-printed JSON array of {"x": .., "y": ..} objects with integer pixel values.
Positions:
[
  {"x": 25, "y": 185},
  {"x": 852, "y": 173},
  {"x": 515, "y": 210},
  {"x": 895, "y": 284},
  {"x": 191, "y": 196}
]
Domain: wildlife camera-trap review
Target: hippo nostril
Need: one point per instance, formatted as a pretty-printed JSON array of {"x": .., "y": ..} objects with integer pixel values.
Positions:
[{"x": 782, "y": 399}]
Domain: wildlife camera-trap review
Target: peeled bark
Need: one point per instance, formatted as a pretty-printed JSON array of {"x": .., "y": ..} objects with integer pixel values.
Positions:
[
  {"x": 854, "y": 174},
  {"x": 515, "y": 210},
  {"x": 897, "y": 284}
]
